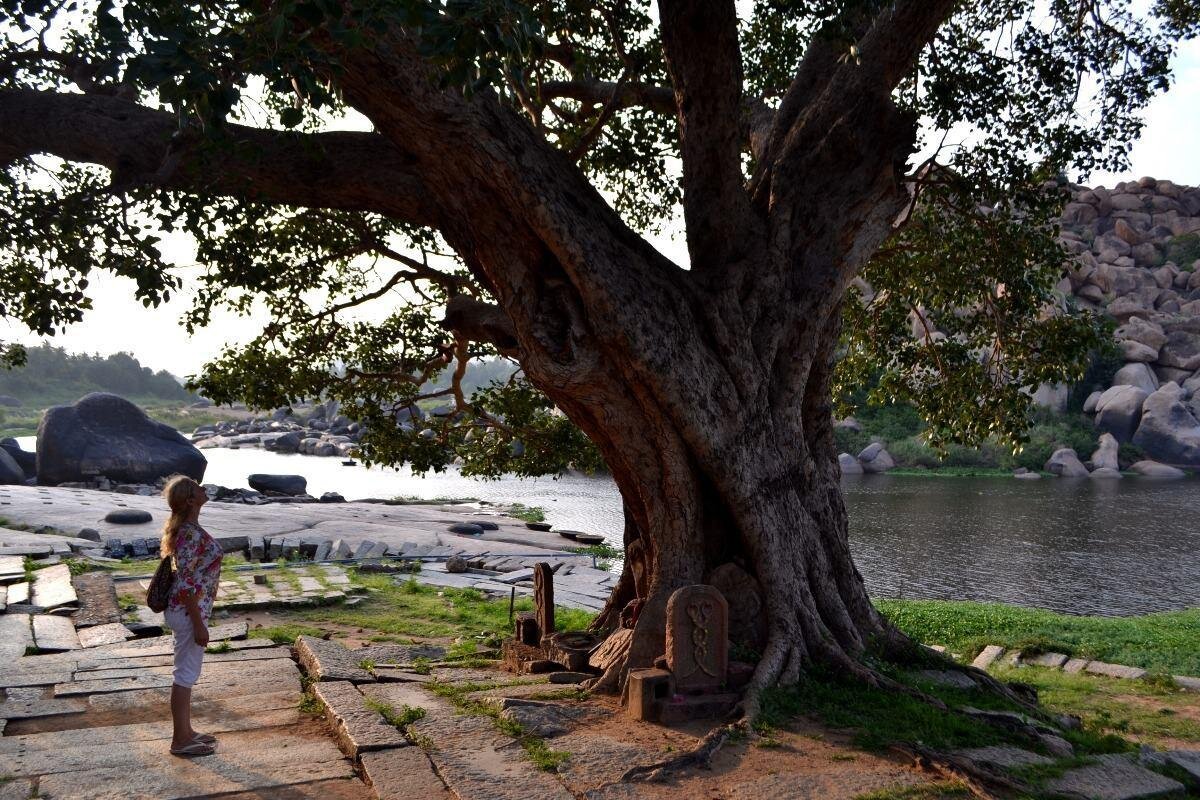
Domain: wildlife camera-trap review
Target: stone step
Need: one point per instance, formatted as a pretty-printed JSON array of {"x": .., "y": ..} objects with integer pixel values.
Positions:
[
  {"x": 1114, "y": 670},
  {"x": 356, "y": 727},
  {"x": 987, "y": 656},
  {"x": 53, "y": 634},
  {"x": 13, "y": 708},
  {"x": 16, "y": 635}
]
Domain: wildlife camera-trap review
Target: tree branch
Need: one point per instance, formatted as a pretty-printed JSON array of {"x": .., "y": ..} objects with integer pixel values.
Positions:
[
  {"x": 623, "y": 95},
  {"x": 481, "y": 322},
  {"x": 143, "y": 146},
  {"x": 703, "y": 58}
]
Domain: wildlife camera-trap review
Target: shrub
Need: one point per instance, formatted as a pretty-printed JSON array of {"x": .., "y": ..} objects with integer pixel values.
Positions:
[
  {"x": 1184, "y": 250},
  {"x": 1129, "y": 453}
]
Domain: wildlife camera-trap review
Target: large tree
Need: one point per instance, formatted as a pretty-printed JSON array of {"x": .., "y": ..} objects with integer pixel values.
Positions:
[{"x": 867, "y": 191}]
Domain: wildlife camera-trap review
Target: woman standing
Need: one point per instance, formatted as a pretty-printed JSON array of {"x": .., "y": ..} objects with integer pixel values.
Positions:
[{"x": 197, "y": 572}]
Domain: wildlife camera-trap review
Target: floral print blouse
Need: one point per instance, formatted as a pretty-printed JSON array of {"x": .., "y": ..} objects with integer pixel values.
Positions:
[{"x": 197, "y": 567}]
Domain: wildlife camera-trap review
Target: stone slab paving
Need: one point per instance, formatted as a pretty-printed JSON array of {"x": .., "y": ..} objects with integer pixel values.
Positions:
[
  {"x": 402, "y": 773},
  {"x": 1115, "y": 777},
  {"x": 1188, "y": 761},
  {"x": 18, "y": 593},
  {"x": 54, "y": 634},
  {"x": 16, "y": 634},
  {"x": 325, "y": 660},
  {"x": 1075, "y": 665},
  {"x": 264, "y": 649},
  {"x": 97, "y": 600},
  {"x": 597, "y": 759},
  {"x": 1004, "y": 756},
  {"x": 474, "y": 760},
  {"x": 16, "y": 789},
  {"x": 109, "y": 633},
  {"x": 1114, "y": 670},
  {"x": 357, "y": 727},
  {"x": 1048, "y": 660},
  {"x": 12, "y": 569},
  {"x": 52, "y": 587},
  {"x": 40, "y": 707}
]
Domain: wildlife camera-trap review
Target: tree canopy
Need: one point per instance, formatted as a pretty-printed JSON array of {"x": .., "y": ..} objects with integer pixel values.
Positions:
[{"x": 233, "y": 123}]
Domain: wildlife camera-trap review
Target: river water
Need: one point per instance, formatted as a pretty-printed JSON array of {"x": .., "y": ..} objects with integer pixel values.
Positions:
[{"x": 1079, "y": 546}]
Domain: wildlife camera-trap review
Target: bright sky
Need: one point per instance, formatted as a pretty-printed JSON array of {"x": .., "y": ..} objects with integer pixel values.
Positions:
[{"x": 1167, "y": 150}]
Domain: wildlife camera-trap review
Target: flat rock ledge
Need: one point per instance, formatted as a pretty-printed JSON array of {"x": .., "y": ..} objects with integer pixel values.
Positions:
[
  {"x": 993, "y": 653},
  {"x": 357, "y": 727}
]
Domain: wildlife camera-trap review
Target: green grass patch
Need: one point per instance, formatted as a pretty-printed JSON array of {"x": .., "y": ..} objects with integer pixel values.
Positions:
[
  {"x": 288, "y": 633},
  {"x": 1164, "y": 642},
  {"x": 399, "y": 719},
  {"x": 222, "y": 646},
  {"x": 526, "y": 513},
  {"x": 952, "y": 472},
  {"x": 602, "y": 550},
  {"x": 879, "y": 718},
  {"x": 285, "y": 575},
  {"x": 413, "y": 609},
  {"x": 940, "y": 790},
  {"x": 1146, "y": 709}
]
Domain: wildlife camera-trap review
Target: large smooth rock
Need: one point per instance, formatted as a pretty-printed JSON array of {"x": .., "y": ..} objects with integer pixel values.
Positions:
[
  {"x": 284, "y": 484},
  {"x": 849, "y": 464},
  {"x": 1089, "y": 405},
  {"x": 1143, "y": 331},
  {"x": 1105, "y": 456},
  {"x": 10, "y": 470},
  {"x": 1182, "y": 351},
  {"x": 1066, "y": 464},
  {"x": 1137, "y": 374},
  {"x": 1136, "y": 351},
  {"x": 1168, "y": 431},
  {"x": 103, "y": 434},
  {"x": 1153, "y": 469},
  {"x": 25, "y": 460},
  {"x": 874, "y": 458},
  {"x": 1114, "y": 777},
  {"x": 1119, "y": 411}
]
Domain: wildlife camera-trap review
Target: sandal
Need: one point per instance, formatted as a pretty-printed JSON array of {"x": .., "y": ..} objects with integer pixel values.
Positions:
[
  {"x": 193, "y": 749},
  {"x": 206, "y": 738}
]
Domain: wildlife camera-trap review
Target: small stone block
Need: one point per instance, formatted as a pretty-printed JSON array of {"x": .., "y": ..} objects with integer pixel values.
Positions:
[
  {"x": 987, "y": 656},
  {"x": 322, "y": 552},
  {"x": 647, "y": 691},
  {"x": 340, "y": 551},
  {"x": 257, "y": 548},
  {"x": 1186, "y": 683},
  {"x": 1049, "y": 660},
  {"x": 1115, "y": 670},
  {"x": 104, "y": 634},
  {"x": 569, "y": 677},
  {"x": 1075, "y": 665},
  {"x": 363, "y": 548},
  {"x": 260, "y": 579}
]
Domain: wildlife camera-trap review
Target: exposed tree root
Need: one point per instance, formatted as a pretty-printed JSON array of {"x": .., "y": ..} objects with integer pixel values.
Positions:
[
  {"x": 699, "y": 756},
  {"x": 983, "y": 781}
]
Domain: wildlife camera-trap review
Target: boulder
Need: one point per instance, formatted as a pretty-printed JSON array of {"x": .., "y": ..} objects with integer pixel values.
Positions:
[
  {"x": 1138, "y": 375},
  {"x": 1182, "y": 351},
  {"x": 25, "y": 460},
  {"x": 456, "y": 564},
  {"x": 1089, "y": 405},
  {"x": 9, "y": 401},
  {"x": 874, "y": 458},
  {"x": 103, "y": 434},
  {"x": 1105, "y": 456},
  {"x": 848, "y": 424},
  {"x": 1105, "y": 472},
  {"x": 283, "y": 484},
  {"x": 1136, "y": 351},
  {"x": 128, "y": 516},
  {"x": 287, "y": 443},
  {"x": 1168, "y": 431},
  {"x": 1066, "y": 464},
  {"x": 1191, "y": 386},
  {"x": 1052, "y": 396},
  {"x": 10, "y": 470},
  {"x": 1153, "y": 469},
  {"x": 1119, "y": 411},
  {"x": 849, "y": 464}
]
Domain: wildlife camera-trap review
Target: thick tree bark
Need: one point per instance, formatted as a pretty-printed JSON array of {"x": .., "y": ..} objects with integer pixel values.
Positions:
[{"x": 706, "y": 391}]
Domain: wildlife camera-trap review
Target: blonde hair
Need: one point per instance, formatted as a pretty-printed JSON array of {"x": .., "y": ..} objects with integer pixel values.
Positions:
[{"x": 178, "y": 493}]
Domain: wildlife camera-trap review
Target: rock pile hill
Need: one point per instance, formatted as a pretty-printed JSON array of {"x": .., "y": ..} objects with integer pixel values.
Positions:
[{"x": 1137, "y": 259}]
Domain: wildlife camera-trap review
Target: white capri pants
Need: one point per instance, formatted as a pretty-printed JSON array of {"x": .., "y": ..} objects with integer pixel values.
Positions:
[{"x": 189, "y": 656}]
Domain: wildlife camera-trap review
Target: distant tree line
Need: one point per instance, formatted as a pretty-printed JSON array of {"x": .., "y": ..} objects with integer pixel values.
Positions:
[{"x": 51, "y": 375}]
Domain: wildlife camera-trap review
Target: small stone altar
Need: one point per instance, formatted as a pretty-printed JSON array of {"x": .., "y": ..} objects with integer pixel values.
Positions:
[
  {"x": 692, "y": 680},
  {"x": 536, "y": 646}
]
